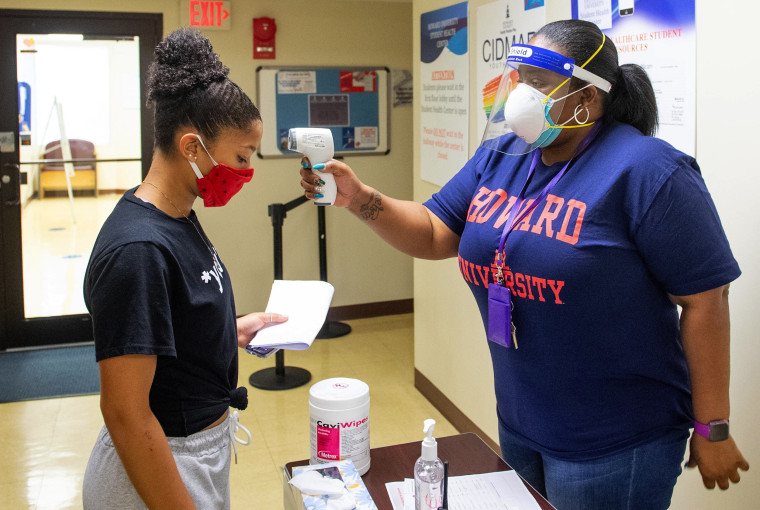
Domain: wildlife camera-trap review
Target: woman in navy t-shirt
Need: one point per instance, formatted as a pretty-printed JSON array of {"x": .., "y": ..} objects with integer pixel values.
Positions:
[{"x": 600, "y": 382}]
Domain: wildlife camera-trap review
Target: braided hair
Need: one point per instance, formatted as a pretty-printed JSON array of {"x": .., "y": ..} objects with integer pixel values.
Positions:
[{"x": 189, "y": 86}]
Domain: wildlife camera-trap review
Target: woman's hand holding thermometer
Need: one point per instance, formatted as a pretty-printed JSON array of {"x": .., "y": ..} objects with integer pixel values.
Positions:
[{"x": 317, "y": 145}]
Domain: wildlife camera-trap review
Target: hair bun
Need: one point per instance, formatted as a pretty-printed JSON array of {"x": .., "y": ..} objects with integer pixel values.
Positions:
[{"x": 184, "y": 60}]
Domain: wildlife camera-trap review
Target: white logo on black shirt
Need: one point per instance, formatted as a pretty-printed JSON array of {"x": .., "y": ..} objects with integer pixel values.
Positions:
[{"x": 217, "y": 272}]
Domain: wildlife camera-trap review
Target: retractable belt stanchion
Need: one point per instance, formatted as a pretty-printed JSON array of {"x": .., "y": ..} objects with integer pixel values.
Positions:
[
  {"x": 330, "y": 329},
  {"x": 280, "y": 377}
]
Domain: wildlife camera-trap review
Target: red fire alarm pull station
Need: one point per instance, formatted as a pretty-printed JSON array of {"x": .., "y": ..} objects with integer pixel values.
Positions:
[{"x": 263, "y": 38}]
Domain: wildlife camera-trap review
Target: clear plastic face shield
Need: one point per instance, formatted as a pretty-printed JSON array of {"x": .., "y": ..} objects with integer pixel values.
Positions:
[{"x": 527, "y": 111}]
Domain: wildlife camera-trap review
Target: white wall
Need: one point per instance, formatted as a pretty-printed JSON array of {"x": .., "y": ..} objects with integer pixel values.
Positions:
[
  {"x": 450, "y": 346},
  {"x": 724, "y": 133}
]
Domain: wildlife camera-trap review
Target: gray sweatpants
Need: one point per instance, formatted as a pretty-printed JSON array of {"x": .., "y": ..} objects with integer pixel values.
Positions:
[{"x": 203, "y": 461}]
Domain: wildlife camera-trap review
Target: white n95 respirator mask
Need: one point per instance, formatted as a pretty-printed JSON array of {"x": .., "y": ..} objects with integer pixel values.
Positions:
[{"x": 527, "y": 113}]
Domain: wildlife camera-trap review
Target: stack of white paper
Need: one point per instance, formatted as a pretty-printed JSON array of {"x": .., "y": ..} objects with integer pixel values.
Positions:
[
  {"x": 502, "y": 490},
  {"x": 306, "y": 304}
]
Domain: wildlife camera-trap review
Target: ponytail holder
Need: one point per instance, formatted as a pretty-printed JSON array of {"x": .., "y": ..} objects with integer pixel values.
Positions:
[{"x": 239, "y": 398}]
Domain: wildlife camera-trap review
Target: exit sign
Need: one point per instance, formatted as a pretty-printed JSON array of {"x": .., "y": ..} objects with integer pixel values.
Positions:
[{"x": 210, "y": 14}]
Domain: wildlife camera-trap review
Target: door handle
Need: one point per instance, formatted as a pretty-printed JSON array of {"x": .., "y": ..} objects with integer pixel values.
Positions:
[{"x": 10, "y": 188}]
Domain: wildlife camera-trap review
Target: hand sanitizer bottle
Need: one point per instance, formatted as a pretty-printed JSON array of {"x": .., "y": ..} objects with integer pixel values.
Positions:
[{"x": 428, "y": 473}]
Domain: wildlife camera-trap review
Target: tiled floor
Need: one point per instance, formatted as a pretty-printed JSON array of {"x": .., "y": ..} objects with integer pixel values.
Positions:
[
  {"x": 56, "y": 247},
  {"x": 45, "y": 443}
]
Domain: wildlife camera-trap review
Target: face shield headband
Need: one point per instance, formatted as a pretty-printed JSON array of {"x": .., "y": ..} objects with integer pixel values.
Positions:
[
  {"x": 530, "y": 114},
  {"x": 557, "y": 63}
]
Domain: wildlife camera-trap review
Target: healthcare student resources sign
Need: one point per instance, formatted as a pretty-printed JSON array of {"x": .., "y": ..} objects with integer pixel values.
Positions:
[
  {"x": 444, "y": 77},
  {"x": 658, "y": 35}
]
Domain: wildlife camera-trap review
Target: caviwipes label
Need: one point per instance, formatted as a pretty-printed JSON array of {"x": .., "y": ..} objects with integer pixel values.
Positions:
[{"x": 338, "y": 441}]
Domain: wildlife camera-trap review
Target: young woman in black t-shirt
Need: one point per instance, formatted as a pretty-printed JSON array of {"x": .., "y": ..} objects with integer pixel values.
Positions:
[{"x": 166, "y": 332}]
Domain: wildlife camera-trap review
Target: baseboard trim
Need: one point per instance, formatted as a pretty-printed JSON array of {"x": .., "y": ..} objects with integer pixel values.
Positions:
[
  {"x": 365, "y": 310},
  {"x": 80, "y": 193},
  {"x": 450, "y": 411}
]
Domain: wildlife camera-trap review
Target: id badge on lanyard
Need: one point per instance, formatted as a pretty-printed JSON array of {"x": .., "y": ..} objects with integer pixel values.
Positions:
[{"x": 501, "y": 328}]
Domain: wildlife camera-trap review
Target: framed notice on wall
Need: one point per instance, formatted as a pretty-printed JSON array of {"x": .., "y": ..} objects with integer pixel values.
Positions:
[
  {"x": 351, "y": 102},
  {"x": 444, "y": 93},
  {"x": 660, "y": 36}
]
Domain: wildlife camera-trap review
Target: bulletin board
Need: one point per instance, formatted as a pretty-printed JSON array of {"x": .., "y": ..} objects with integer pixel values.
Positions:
[{"x": 352, "y": 102}]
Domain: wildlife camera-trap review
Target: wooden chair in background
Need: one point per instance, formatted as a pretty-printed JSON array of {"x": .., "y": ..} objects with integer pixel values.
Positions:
[{"x": 53, "y": 175}]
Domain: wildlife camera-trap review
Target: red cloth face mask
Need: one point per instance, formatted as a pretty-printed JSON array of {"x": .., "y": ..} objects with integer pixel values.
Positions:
[{"x": 221, "y": 183}]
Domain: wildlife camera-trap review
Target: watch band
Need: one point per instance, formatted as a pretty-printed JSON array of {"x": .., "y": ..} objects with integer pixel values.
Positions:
[{"x": 715, "y": 430}]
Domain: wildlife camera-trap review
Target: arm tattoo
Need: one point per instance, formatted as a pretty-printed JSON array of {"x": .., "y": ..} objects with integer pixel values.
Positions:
[{"x": 371, "y": 210}]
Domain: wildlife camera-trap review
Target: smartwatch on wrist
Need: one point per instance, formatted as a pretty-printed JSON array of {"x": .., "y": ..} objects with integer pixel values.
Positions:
[{"x": 716, "y": 430}]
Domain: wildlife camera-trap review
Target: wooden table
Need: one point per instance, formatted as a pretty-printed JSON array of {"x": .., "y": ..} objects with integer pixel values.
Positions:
[{"x": 467, "y": 454}]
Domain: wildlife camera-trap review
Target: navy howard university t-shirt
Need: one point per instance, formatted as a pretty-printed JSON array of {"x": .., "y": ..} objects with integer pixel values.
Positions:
[
  {"x": 154, "y": 286},
  {"x": 600, "y": 365}
]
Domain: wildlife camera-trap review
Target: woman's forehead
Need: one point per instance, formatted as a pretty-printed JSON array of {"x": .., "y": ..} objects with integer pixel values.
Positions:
[
  {"x": 234, "y": 136},
  {"x": 527, "y": 70}
]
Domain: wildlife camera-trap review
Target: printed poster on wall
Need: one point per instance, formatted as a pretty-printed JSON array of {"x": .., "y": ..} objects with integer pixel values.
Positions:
[
  {"x": 402, "y": 88},
  {"x": 297, "y": 82},
  {"x": 445, "y": 90},
  {"x": 500, "y": 25},
  {"x": 660, "y": 36}
]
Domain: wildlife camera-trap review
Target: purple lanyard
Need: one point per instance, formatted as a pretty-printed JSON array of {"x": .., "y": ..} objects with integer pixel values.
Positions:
[{"x": 512, "y": 222}]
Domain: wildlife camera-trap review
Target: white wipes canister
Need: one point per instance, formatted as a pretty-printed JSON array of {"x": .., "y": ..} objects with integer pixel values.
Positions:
[{"x": 339, "y": 411}]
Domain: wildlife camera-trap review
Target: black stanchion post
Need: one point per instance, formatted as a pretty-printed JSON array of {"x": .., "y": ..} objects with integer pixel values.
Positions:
[
  {"x": 280, "y": 377},
  {"x": 330, "y": 329}
]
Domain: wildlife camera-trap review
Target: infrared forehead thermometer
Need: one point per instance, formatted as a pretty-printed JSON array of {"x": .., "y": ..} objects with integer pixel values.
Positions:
[{"x": 317, "y": 145}]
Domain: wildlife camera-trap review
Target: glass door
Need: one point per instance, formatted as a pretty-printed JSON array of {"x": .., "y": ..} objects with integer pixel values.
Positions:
[
  {"x": 80, "y": 137},
  {"x": 80, "y": 101}
]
